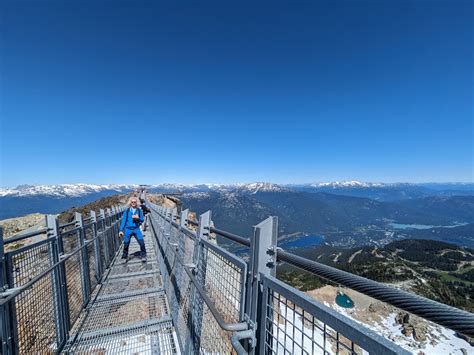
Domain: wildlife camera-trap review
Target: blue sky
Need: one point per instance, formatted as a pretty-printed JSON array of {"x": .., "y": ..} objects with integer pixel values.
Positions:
[{"x": 117, "y": 92}]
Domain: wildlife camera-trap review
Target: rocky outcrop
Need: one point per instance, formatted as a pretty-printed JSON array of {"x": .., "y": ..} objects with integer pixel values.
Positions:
[
  {"x": 380, "y": 308},
  {"x": 412, "y": 326}
]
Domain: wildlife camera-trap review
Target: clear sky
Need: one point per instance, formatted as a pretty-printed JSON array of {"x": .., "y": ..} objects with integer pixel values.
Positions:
[{"x": 119, "y": 92}]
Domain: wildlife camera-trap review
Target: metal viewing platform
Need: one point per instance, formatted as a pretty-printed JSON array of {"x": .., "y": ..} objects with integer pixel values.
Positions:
[{"x": 64, "y": 289}]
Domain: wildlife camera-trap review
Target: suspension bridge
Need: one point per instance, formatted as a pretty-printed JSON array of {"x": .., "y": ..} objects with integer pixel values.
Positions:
[{"x": 69, "y": 292}]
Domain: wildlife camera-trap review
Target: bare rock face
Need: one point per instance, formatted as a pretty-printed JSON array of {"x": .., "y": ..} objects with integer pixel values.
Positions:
[
  {"x": 402, "y": 318},
  {"x": 419, "y": 332},
  {"x": 412, "y": 326},
  {"x": 379, "y": 307}
]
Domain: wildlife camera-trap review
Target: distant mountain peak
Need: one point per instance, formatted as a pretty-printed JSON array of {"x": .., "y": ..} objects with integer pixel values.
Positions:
[
  {"x": 344, "y": 183},
  {"x": 255, "y": 187}
]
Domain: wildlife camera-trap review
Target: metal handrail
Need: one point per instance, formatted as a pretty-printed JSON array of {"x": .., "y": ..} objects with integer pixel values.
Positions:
[
  {"x": 233, "y": 327},
  {"x": 223, "y": 233},
  {"x": 21, "y": 236},
  {"x": 67, "y": 224},
  {"x": 231, "y": 236},
  {"x": 71, "y": 231},
  {"x": 194, "y": 223},
  {"x": 14, "y": 292}
]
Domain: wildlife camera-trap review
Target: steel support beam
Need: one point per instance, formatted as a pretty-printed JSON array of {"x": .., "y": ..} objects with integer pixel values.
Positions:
[
  {"x": 58, "y": 282},
  {"x": 98, "y": 264},
  {"x": 262, "y": 262},
  {"x": 7, "y": 316},
  {"x": 85, "y": 278}
]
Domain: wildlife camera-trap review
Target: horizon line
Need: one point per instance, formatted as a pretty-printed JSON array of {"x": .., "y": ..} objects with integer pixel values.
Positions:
[{"x": 243, "y": 183}]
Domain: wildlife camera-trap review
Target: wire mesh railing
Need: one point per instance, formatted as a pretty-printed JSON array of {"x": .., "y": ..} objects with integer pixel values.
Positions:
[
  {"x": 217, "y": 297},
  {"x": 191, "y": 264},
  {"x": 247, "y": 310},
  {"x": 48, "y": 279},
  {"x": 293, "y": 323}
]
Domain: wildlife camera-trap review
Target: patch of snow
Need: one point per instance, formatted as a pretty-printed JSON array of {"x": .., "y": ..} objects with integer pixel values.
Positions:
[
  {"x": 440, "y": 340},
  {"x": 196, "y": 195}
]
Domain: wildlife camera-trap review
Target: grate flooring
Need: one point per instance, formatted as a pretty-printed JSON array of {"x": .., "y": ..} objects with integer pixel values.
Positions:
[{"x": 131, "y": 314}]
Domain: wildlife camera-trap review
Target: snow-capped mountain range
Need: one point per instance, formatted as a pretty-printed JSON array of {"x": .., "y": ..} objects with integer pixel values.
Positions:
[
  {"x": 63, "y": 190},
  {"x": 77, "y": 190},
  {"x": 352, "y": 183}
]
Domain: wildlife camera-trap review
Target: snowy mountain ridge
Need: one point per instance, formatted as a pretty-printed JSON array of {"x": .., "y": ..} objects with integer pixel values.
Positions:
[
  {"x": 62, "y": 190},
  {"x": 352, "y": 183},
  {"x": 75, "y": 190},
  {"x": 80, "y": 189}
]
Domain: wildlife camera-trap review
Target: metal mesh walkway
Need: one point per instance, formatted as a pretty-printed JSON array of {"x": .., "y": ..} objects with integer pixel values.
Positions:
[{"x": 130, "y": 314}]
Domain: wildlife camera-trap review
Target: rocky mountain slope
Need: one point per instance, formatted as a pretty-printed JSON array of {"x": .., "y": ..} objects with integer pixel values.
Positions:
[
  {"x": 440, "y": 271},
  {"x": 343, "y": 220}
]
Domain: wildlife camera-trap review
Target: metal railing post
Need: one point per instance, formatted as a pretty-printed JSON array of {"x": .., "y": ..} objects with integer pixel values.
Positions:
[
  {"x": 98, "y": 264},
  {"x": 116, "y": 224},
  {"x": 172, "y": 230},
  {"x": 108, "y": 234},
  {"x": 182, "y": 238},
  {"x": 169, "y": 248},
  {"x": 263, "y": 245},
  {"x": 172, "y": 215},
  {"x": 165, "y": 217},
  {"x": 8, "y": 323},
  {"x": 54, "y": 225},
  {"x": 113, "y": 236},
  {"x": 200, "y": 262},
  {"x": 58, "y": 282},
  {"x": 112, "y": 231},
  {"x": 104, "y": 237},
  {"x": 163, "y": 222},
  {"x": 85, "y": 277}
]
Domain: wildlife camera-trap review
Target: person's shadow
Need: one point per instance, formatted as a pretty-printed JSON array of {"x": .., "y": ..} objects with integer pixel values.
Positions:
[{"x": 136, "y": 254}]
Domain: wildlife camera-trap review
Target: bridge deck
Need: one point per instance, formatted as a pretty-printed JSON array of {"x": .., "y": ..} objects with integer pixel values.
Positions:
[{"x": 130, "y": 313}]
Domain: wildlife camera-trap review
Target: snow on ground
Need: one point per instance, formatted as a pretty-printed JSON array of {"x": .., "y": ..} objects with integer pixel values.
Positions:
[
  {"x": 381, "y": 318},
  {"x": 440, "y": 340},
  {"x": 288, "y": 336}
]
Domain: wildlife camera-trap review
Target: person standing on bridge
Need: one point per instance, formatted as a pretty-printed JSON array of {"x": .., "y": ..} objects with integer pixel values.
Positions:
[
  {"x": 146, "y": 212},
  {"x": 131, "y": 220}
]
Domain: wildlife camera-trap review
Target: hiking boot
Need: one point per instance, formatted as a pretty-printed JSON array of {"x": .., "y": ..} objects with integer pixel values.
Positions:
[
  {"x": 144, "y": 259},
  {"x": 125, "y": 257}
]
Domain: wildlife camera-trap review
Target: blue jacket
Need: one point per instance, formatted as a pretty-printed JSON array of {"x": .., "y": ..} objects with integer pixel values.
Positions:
[{"x": 128, "y": 222}]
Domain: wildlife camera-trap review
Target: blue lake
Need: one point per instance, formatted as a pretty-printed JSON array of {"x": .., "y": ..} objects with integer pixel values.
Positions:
[
  {"x": 301, "y": 241},
  {"x": 421, "y": 226},
  {"x": 344, "y": 300}
]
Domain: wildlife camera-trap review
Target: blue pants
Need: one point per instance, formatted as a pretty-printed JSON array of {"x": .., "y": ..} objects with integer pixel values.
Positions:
[{"x": 137, "y": 233}]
